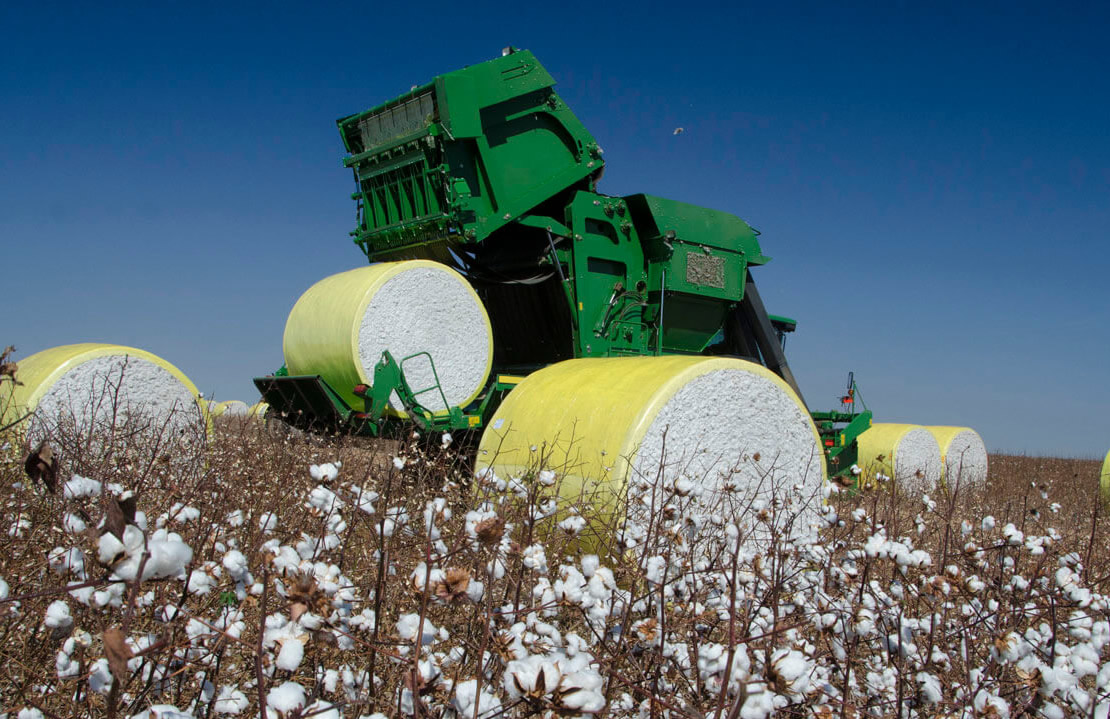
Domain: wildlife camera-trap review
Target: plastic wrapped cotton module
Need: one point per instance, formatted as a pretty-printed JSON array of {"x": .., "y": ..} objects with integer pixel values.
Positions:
[
  {"x": 340, "y": 326},
  {"x": 88, "y": 387},
  {"x": 963, "y": 455},
  {"x": 697, "y": 423},
  {"x": 1104, "y": 479},
  {"x": 906, "y": 453}
]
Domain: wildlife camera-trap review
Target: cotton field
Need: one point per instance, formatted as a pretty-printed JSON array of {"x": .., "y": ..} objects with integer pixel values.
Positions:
[{"x": 175, "y": 576}]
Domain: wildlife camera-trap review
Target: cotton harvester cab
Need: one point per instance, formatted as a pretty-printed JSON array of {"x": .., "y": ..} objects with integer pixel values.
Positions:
[{"x": 487, "y": 171}]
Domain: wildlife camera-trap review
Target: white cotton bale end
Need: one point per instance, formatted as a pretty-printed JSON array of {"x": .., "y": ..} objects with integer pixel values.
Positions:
[
  {"x": 234, "y": 408},
  {"x": 89, "y": 386},
  {"x": 907, "y": 453},
  {"x": 340, "y": 326},
  {"x": 602, "y": 423},
  {"x": 963, "y": 456}
]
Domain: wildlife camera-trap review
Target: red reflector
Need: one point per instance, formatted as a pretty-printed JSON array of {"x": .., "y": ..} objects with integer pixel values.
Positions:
[
  {"x": 360, "y": 389},
  {"x": 828, "y": 443}
]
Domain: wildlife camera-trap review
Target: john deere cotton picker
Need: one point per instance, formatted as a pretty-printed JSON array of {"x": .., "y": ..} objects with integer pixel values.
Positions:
[{"x": 506, "y": 295}]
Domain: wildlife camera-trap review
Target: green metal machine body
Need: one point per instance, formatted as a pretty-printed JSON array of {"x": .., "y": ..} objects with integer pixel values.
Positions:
[{"x": 487, "y": 170}]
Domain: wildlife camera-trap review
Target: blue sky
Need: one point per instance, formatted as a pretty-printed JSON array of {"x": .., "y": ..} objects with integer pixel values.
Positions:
[{"x": 933, "y": 183}]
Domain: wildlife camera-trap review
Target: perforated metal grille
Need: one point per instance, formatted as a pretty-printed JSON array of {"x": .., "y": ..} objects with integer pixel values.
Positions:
[{"x": 405, "y": 118}]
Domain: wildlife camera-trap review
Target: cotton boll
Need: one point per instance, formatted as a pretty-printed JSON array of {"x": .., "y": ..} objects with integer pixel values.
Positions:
[
  {"x": 100, "y": 677},
  {"x": 322, "y": 710},
  {"x": 572, "y": 524},
  {"x": 163, "y": 711},
  {"x": 79, "y": 487},
  {"x": 291, "y": 654},
  {"x": 535, "y": 559},
  {"x": 468, "y": 700},
  {"x": 236, "y": 564},
  {"x": 286, "y": 698},
  {"x": 58, "y": 616},
  {"x": 67, "y": 561},
  {"x": 268, "y": 522},
  {"x": 73, "y": 524},
  {"x": 230, "y": 701},
  {"x": 324, "y": 472},
  {"x": 66, "y": 665}
]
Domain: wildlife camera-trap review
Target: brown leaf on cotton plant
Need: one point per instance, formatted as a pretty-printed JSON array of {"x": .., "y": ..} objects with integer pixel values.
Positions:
[
  {"x": 42, "y": 465},
  {"x": 117, "y": 652},
  {"x": 118, "y": 514}
]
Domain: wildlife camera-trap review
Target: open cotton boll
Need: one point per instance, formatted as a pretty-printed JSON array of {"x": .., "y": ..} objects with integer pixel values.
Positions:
[
  {"x": 231, "y": 701},
  {"x": 468, "y": 700},
  {"x": 324, "y": 472},
  {"x": 79, "y": 487},
  {"x": 340, "y": 326},
  {"x": 963, "y": 455},
  {"x": 291, "y": 654},
  {"x": 168, "y": 553},
  {"x": 163, "y": 711},
  {"x": 93, "y": 387},
  {"x": 286, "y": 698},
  {"x": 57, "y": 615}
]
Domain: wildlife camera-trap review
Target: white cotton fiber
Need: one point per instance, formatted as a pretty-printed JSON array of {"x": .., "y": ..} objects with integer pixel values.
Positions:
[
  {"x": 286, "y": 698},
  {"x": 425, "y": 309},
  {"x": 964, "y": 455},
  {"x": 94, "y": 387},
  {"x": 340, "y": 327},
  {"x": 717, "y": 419},
  {"x": 906, "y": 453},
  {"x": 291, "y": 654},
  {"x": 234, "y": 408},
  {"x": 720, "y": 427}
]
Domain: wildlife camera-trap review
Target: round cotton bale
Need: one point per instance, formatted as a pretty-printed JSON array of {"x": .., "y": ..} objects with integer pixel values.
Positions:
[
  {"x": 234, "y": 408},
  {"x": 963, "y": 455},
  {"x": 258, "y": 411},
  {"x": 601, "y": 423},
  {"x": 907, "y": 453},
  {"x": 340, "y": 326},
  {"x": 88, "y": 386},
  {"x": 1104, "y": 479}
]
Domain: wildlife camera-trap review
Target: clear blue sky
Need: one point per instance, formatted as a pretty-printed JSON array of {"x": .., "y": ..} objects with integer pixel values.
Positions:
[{"x": 933, "y": 184}]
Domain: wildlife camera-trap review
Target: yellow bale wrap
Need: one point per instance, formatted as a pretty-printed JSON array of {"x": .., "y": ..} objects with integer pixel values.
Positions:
[
  {"x": 1104, "y": 479},
  {"x": 962, "y": 454},
  {"x": 907, "y": 453},
  {"x": 258, "y": 411},
  {"x": 589, "y": 417},
  {"x": 38, "y": 374},
  {"x": 414, "y": 306}
]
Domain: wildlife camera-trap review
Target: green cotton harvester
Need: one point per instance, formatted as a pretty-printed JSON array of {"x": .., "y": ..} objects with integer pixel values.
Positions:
[{"x": 508, "y": 299}]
